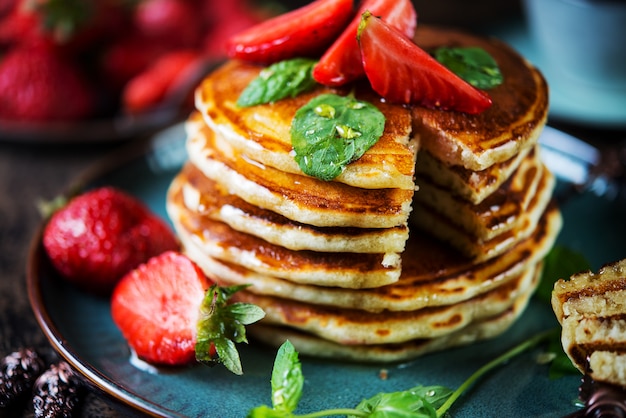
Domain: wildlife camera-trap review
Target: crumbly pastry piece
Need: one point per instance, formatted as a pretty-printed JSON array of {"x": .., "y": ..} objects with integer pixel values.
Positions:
[{"x": 591, "y": 308}]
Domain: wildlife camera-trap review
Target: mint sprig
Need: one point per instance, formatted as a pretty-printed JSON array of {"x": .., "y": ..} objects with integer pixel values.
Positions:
[
  {"x": 418, "y": 402},
  {"x": 221, "y": 325},
  {"x": 280, "y": 80},
  {"x": 331, "y": 131},
  {"x": 472, "y": 64}
]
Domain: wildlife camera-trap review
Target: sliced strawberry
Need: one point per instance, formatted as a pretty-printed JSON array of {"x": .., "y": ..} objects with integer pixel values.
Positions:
[
  {"x": 156, "y": 307},
  {"x": 149, "y": 88},
  {"x": 402, "y": 72},
  {"x": 302, "y": 32},
  {"x": 341, "y": 63}
]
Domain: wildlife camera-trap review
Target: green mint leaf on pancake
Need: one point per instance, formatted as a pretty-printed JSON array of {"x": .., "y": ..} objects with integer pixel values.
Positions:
[
  {"x": 472, "y": 64},
  {"x": 283, "y": 79},
  {"x": 221, "y": 325},
  {"x": 331, "y": 131}
]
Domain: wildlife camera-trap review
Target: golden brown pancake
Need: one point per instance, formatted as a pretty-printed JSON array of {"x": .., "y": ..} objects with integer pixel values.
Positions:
[
  {"x": 358, "y": 327},
  {"x": 218, "y": 240},
  {"x": 511, "y": 124},
  {"x": 501, "y": 211},
  {"x": 333, "y": 263},
  {"x": 300, "y": 198},
  {"x": 473, "y": 186},
  {"x": 446, "y": 280},
  {"x": 495, "y": 235},
  {"x": 261, "y": 133},
  {"x": 311, "y": 345},
  {"x": 207, "y": 198}
]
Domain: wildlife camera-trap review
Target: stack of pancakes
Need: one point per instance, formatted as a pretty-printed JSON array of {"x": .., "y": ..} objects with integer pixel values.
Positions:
[{"x": 434, "y": 238}]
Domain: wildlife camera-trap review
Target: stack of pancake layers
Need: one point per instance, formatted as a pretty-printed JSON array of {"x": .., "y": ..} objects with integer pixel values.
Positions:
[{"x": 433, "y": 239}]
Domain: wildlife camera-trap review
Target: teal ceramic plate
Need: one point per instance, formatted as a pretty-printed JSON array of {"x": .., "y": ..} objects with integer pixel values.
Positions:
[{"x": 80, "y": 328}]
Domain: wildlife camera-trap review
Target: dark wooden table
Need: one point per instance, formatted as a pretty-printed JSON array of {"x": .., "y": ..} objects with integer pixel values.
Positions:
[{"x": 30, "y": 171}]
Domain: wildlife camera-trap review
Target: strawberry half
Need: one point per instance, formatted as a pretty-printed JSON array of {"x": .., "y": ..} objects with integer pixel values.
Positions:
[
  {"x": 301, "y": 32},
  {"x": 156, "y": 306},
  {"x": 171, "y": 314},
  {"x": 402, "y": 72},
  {"x": 341, "y": 63},
  {"x": 101, "y": 235}
]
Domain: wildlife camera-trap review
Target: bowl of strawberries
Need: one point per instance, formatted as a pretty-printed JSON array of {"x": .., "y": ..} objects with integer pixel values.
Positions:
[{"x": 96, "y": 70}]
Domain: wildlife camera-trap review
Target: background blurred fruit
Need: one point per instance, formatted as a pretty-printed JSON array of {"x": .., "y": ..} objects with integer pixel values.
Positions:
[{"x": 67, "y": 60}]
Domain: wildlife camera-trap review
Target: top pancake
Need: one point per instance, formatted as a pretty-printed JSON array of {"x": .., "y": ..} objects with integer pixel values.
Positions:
[
  {"x": 262, "y": 133},
  {"x": 511, "y": 124}
]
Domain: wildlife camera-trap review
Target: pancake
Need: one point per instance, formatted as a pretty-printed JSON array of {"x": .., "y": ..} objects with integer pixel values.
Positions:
[
  {"x": 357, "y": 327},
  {"x": 216, "y": 239},
  {"x": 495, "y": 241},
  {"x": 297, "y": 197},
  {"x": 591, "y": 308},
  {"x": 513, "y": 123},
  {"x": 421, "y": 284},
  {"x": 473, "y": 186},
  {"x": 311, "y": 345},
  {"x": 261, "y": 133},
  {"x": 502, "y": 210},
  {"x": 207, "y": 198}
]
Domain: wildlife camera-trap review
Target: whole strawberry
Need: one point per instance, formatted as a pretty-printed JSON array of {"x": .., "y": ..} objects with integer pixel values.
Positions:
[
  {"x": 103, "y": 234},
  {"x": 37, "y": 84}
]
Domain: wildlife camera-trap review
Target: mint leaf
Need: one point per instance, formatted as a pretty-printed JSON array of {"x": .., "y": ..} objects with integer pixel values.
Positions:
[
  {"x": 221, "y": 325},
  {"x": 418, "y": 402},
  {"x": 472, "y": 64},
  {"x": 560, "y": 263},
  {"x": 283, "y": 79},
  {"x": 287, "y": 379},
  {"x": 331, "y": 131}
]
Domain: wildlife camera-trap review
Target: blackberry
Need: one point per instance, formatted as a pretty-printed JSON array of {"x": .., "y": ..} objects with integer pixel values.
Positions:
[
  {"x": 18, "y": 372},
  {"x": 57, "y": 392}
]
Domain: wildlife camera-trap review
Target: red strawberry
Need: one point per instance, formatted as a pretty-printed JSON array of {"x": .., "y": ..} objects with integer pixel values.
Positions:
[
  {"x": 168, "y": 316},
  {"x": 341, "y": 63},
  {"x": 402, "y": 72},
  {"x": 173, "y": 22},
  {"x": 301, "y": 32},
  {"x": 170, "y": 71},
  {"x": 157, "y": 307},
  {"x": 103, "y": 234},
  {"x": 38, "y": 84},
  {"x": 128, "y": 57},
  {"x": 226, "y": 20}
]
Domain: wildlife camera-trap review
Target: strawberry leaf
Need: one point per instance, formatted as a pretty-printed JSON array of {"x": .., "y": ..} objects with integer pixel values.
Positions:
[
  {"x": 283, "y": 79},
  {"x": 221, "y": 325}
]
